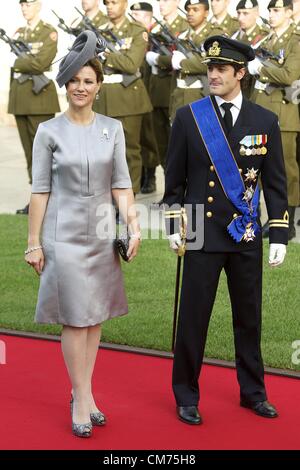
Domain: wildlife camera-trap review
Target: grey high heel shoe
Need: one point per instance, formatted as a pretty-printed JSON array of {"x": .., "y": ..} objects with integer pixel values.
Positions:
[
  {"x": 80, "y": 430},
  {"x": 98, "y": 418}
]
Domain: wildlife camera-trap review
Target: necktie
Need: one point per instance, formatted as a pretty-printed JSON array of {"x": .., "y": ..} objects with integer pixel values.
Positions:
[{"x": 227, "y": 116}]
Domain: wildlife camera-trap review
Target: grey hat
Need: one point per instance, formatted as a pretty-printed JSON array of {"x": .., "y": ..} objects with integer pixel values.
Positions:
[{"x": 85, "y": 47}]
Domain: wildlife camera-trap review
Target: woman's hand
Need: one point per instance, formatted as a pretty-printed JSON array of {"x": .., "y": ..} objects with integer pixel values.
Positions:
[
  {"x": 36, "y": 259},
  {"x": 134, "y": 244}
]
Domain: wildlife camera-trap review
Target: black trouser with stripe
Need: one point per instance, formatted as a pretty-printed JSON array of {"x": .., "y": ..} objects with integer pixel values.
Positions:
[{"x": 199, "y": 286}]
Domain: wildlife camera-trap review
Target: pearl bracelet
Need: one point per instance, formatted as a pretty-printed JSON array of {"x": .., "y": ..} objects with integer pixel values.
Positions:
[
  {"x": 136, "y": 236},
  {"x": 30, "y": 250}
]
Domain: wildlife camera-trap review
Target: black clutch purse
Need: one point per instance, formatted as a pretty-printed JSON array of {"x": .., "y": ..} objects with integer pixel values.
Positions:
[{"x": 122, "y": 244}]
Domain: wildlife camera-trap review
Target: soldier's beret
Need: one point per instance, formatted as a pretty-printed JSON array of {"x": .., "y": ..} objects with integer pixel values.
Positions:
[
  {"x": 85, "y": 47},
  {"x": 196, "y": 2},
  {"x": 280, "y": 4},
  {"x": 246, "y": 4},
  {"x": 223, "y": 50},
  {"x": 28, "y": 1},
  {"x": 141, "y": 6}
]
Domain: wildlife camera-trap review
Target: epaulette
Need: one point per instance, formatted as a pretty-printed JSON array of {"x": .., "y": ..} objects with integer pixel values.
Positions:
[{"x": 49, "y": 26}]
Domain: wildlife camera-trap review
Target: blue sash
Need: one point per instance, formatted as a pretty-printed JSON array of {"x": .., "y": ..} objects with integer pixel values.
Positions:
[{"x": 245, "y": 226}]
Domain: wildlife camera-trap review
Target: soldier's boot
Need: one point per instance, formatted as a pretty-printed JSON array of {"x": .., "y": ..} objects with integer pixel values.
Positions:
[
  {"x": 23, "y": 211},
  {"x": 292, "y": 229},
  {"x": 149, "y": 185}
]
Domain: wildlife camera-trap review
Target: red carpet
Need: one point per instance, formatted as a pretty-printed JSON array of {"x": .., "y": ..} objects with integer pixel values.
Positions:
[{"x": 135, "y": 393}]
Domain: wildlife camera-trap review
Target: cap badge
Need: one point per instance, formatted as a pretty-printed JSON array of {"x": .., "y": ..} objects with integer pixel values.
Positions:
[
  {"x": 214, "y": 50},
  {"x": 248, "y": 4},
  {"x": 279, "y": 4}
]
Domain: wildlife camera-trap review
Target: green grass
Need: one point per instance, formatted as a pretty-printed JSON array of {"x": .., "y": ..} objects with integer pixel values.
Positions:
[{"x": 150, "y": 289}]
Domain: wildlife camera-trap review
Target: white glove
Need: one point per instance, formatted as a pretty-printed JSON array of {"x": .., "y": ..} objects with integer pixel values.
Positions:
[
  {"x": 152, "y": 57},
  {"x": 177, "y": 57},
  {"x": 254, "y": 66},
  {"x": 175, "y": 241},
  {"x": 276, "y": 254}
]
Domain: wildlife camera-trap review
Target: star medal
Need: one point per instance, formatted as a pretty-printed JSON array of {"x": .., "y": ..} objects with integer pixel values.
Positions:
[
  {"x": 251, "y": 175},
  {"x": 248, "y": 194},
  {"x": 249, "y": 234}
]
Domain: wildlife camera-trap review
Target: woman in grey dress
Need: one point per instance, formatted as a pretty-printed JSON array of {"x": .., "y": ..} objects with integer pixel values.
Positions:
[{"x": 79, "y": 166}]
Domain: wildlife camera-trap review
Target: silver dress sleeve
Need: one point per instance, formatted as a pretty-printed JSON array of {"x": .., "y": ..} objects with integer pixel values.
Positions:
[
  {"x": 120, "y": 174},
  {"x": 42, "y": 157}
]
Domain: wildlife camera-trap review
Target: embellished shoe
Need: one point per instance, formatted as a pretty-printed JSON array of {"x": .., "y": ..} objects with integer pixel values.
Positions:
[
  {"x": 80, "y": 430},
  {"x": 98, "y": 418}
]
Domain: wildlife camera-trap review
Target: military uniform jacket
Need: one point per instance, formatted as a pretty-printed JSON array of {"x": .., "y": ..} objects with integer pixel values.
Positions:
[
  {"x": 115, "y": 99},
  {"x": 191, "y": 177},
  {"x": 160, "y": 84},
  {"x": 278, "y": 76},
  {"x": 227, "y": 27},
  {"x": 192, "y": 70},
  {"x": 98, "y": 20},
  {"x": 253, "y": 36},
  {"x": 22, "y": 100}
]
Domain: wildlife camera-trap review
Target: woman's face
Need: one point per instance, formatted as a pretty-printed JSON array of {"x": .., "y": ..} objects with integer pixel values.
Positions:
[{"x": 83, "y": 88}]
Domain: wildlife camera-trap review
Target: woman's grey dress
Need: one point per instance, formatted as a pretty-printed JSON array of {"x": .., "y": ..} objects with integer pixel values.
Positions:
[{"x": 81, "y": 284}]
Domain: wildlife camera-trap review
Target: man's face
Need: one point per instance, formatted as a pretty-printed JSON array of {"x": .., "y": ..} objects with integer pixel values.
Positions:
[
  {"x": 30, "y": 10},
  {"x": 247, "y": 18},
  {"x": 196, "y": 14},
  {"x": 167, "y": 7},
  {"x": 223, "y": 80},
  {"x": 141, "y": 16},
  {"x": 278, "y": 16},
  {"x": 115, "y": 8},
  {"x": 88, "y": 5},
  {"x": 219, "y": 6}
]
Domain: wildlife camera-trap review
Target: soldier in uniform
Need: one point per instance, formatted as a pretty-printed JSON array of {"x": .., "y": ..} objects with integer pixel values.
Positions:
[
  {"x": 190, "y": 76},
  {"x": 250, "y": 31},
  {"x": 123, "y": 94},
  {"x": 221, "y": 22},
  {"x": 143, "y": 13},
  {"x": 91, "y": 11},
  {"x": 270, "y": 90},
  {"x": 160, "y": 80},
  {"x": 29, "y": 108},
  {"x": 219, "y": 146}
]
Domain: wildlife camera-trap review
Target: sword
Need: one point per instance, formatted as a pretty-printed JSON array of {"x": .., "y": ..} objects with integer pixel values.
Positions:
[{"x": 177, "y": 287}]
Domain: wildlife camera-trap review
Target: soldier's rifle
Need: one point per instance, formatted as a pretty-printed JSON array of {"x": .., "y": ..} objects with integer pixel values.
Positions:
[
  {"x": 179, "y": 44},
  {"x": 67, "y": 29},
  {"x": 21, "y": 49}
]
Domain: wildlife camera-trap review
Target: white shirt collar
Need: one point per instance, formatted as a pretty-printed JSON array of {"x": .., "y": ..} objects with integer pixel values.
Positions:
[{"x": 237, "y": 101}]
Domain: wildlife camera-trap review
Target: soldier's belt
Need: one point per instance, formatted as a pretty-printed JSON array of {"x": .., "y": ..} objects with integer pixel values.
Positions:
[
  {"x": 113, "y": 78},
  {"x": 184, "y": 83},
  {"x": 124, "y": 78},
  {"x": 17, "y": 75},
  {"x": 260, "y": 86}
]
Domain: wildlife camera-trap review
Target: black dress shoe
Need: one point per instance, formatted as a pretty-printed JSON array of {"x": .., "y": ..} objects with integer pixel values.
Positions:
[
  {"x": 189, "y": 414},
  {"x": 23, "y": 211},
  {"x": 261, "y": 408}
]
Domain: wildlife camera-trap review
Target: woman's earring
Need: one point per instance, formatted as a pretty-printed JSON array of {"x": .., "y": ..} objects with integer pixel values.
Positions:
[{"x": 97, "y": 97}]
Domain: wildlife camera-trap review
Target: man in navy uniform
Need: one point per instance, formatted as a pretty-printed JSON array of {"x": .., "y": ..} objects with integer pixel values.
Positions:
[{"x": 219, "y": 146}]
